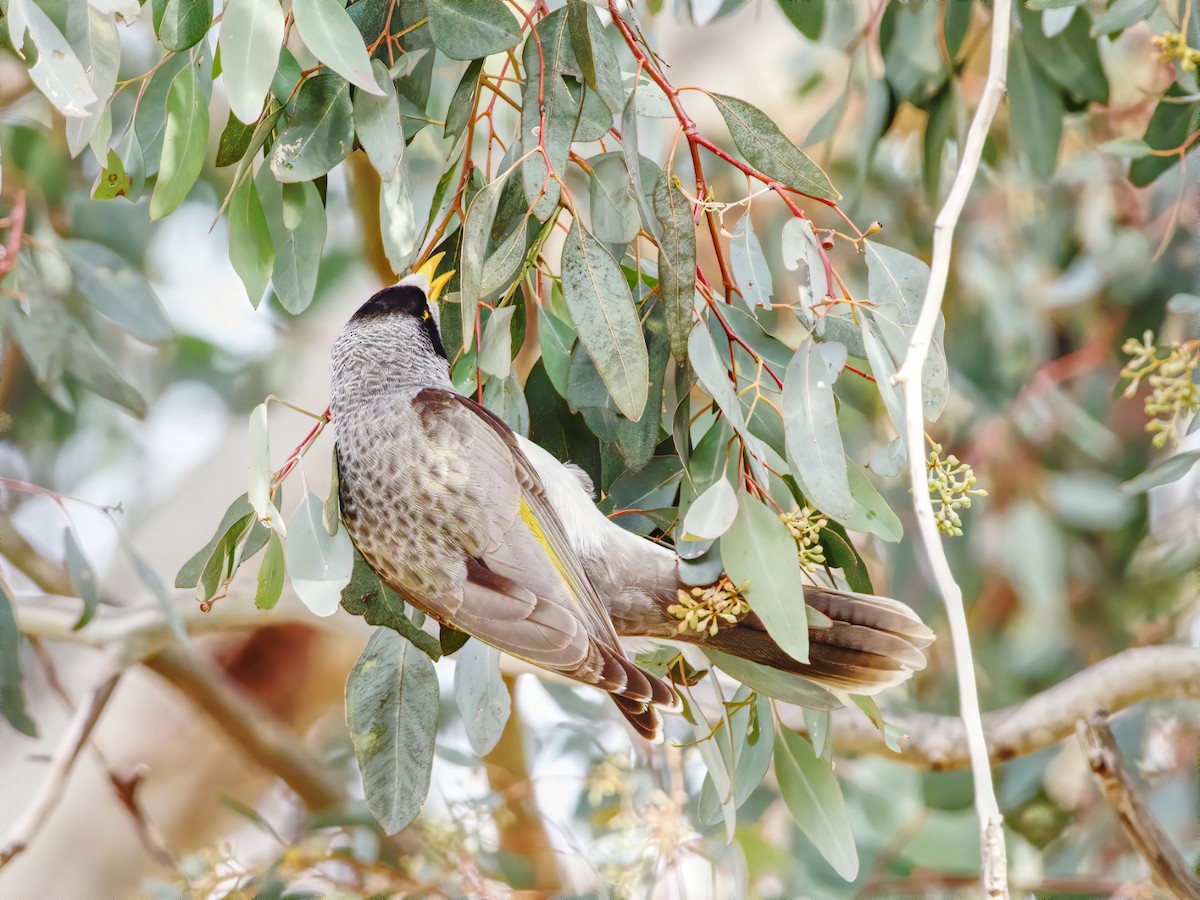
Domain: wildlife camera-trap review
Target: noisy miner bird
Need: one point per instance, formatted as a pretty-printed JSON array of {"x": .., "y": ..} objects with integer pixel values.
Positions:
[{"x": 487, "y": 532}]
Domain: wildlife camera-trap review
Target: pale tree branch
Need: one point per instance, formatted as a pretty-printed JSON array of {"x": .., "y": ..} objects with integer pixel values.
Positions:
[
  {"x": 79, "y": 731},
  {"x": 1166, "y": 863},
  {"x": 994, "y": 874}
]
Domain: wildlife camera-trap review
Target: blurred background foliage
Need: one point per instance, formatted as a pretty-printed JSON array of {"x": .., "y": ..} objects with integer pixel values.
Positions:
[{"x": 139, "y": 332}]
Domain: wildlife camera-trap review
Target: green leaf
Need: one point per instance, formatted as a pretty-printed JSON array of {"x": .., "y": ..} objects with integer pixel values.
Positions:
[
  {"x": 1170, "y": 125},
  {"x": 1127, "y": 148},
  {"x": 331, "y": 35},
  {"x": 676, "y": 262},
  {"x": 318, "y": 564},
  {"x": 1163, "y": 472},
  {"x": 606, "y": 320},
  {"x": 594, "y": 55},
  {"x": 1071, "y": 57},
  {"x": 459, "y": 112},
  {"x": 296, "y": 223},
  {"x": 871, "y": 512},
  {"x": 83, "y": 577},
  {"x": 751, "y": 761},
  {"x": 181, "y": 24},
  {"x": 1035, "y": 111},
  {"x": 1121, "y": 14},
  {"x": 185, "y": 141},
  {"x": 750, "y": 268},
  {"x": 759, "y": 549},
  {"x": 259, "y": 492},
  {"x": 377, "y": 123},
  {"x": 189, "y": 573},
  {"x": 476, "y": 236},
  {"x": 117, "y": 290},
  {"x": 450, "y": 639},
  {"x": 814, "y": 441},
  {"x": 615, "y": 218},
  {"x": 234, "y": 142},
  {"x": 320, "y": 132},
  {"x": 556, "y": 339},
  {"x": 270, "y": 574},
  {"x": 768, "y": 149},
  {"x": 58, "y": 73},
  {"x": 799, "y": 247},
  {"x": 505, "y": 398},
  {"x": 481, "y": 695},
  {"x": 12, "y": 697},
  {"x": 398, "y": 219},
  {"x": 113, "y": 182},
  {"x": 469, "y": 29},
  {"x": 366, "y": 595},
  {"x": 781, "y": 685},
  {"x": 251, "y": 37},
  {"x": 154, "y": 585},
  {"x": 495, "y": 344},
  {"x": 711, "y": 513},
  {"x": 250, "y": 249},
  {"x": 545, "y": 62},
  {"x": 814, "y": 798},
  {"x": 896, "y": 282},
  {"x": 392, "y": 711},
  {"x": 806, "y": 15},
  {"x": 93, "y": 35}
]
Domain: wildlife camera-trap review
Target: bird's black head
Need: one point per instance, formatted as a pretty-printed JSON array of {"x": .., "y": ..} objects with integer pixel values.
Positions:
[{"x": 403, "y": 300}]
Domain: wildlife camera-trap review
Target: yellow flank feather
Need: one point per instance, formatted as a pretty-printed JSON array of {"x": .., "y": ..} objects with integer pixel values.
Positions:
[{"x": 530, "y": 520}]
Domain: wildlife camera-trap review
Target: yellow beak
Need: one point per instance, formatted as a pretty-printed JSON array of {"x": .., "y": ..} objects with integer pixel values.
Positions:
[{"x": 436, "y": 282}]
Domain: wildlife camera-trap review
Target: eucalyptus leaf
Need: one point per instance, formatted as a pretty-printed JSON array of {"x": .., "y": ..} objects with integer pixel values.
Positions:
[
  {"x": 250, "y": 249},
  {"x": 606, "y": 320},
  {"x": 392, "y": 713},
  {"x": 318, "y": 564},
  {"x": 185, "y": 142},
  {"x": 676, "y": 261},
  {"x": 12, "y": 697},
  {"x": 117, "y": 290},
  {"x": 181, "y": 24},
  {"x": 785, "y": 686},
  {"x": 814, "y": 798},
  {"x": 377, "y": 123},
  {"x": 814, "y": 441},
  {"x": 320, "y": 131},
  {"x": 58, "y": 73},
  {"x": 251, "y": 37},
  {"x": 768, "y": 149},
  {"x": 297, "y": 235},
  {"x": 758, "y": 550},
  {"x": 93, "y": 36},
  {"x": 750, "y": 268},
  {"x": 328, "y": 31},
  {"x": 481, "y": 695},
  {"x": 83, "y": 577},
  {"x": 270, "y": 574},
  {"x": 1163, "y": 472},
  {"x": 469, "y": 29}
]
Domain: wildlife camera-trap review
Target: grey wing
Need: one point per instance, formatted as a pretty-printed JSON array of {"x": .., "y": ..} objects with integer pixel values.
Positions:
[{"x": 526, "y": 591}]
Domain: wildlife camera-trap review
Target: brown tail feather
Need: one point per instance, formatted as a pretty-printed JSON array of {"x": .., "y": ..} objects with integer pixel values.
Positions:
[
  {"x": 873, "y": 643},
  {"x": 636, "y": 693},
  {"x": 642, "y": 716}
]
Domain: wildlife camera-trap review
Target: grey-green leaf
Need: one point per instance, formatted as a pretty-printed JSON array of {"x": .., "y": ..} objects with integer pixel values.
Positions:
[
  {"x": 320, "y": 131},
  {"x": 615, "y": 218},
  {"x": 83, "y": 577},
  {"x": 298, "y": 236},
  {"x": 1164, "y": 472},
  {"x": 768, "y": 149},
  {"x": 330, "y": 33},
  {"x": 758, "y": 549},
  {"x": 318, "y": 564},
  {"x": 815, "y": 801},
  {"x": 185, "y": 142},
  {"x": 377, "y": 123},
  {"x": 814, "y": 442},
  {"x": 392, "y": 712},
  {"x": 469, "y": 29},
  {"x": 750, "y": 268},
  {"x": 270, "y": 574},
  {"x": 676, "y": 261},
  {"x": 476, "y": 232},
  {"x": 117, "y": 290},
  {"x": 251, "y": 35},
  {"x": 181, "y": 24},
  {"x": 774, "y": 682},
  {"x": 250, "y": 249},
  {"x": 481, "y": 695},
  {"x": 12, "y": 698},
  {"x": 606, "y": 320}
]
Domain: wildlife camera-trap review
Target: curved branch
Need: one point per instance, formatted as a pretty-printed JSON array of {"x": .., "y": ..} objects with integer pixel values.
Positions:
[{"x": 1118, "y": 682}]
